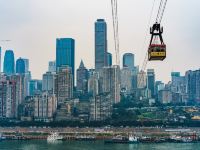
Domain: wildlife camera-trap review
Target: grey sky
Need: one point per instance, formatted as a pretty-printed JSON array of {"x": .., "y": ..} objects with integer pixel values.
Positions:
[{"x": 34, "y": 25}]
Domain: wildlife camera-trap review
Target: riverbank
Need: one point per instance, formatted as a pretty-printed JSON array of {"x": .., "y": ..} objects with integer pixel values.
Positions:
[{"x": 154, "y": 134}]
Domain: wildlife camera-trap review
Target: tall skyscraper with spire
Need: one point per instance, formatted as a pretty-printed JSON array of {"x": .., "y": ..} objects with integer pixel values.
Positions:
[
  {"x": 9, "y": 63},
  {"x": 82, "y": 78},
  {"x": 100, "y": 44}
]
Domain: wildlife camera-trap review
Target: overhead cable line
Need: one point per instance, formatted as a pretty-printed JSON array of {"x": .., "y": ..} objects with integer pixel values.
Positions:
[{"x": 114, "y": 5}]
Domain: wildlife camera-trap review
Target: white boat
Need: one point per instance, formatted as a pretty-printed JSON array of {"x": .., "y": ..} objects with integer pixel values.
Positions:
[
  {"x": 2, "y": 137},
  {"x": 133, "y": 139},
  {"x": 54, "y": 137}
]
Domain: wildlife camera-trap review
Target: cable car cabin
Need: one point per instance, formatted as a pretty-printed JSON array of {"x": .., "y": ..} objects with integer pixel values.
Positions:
[{"x": 157, "y": 52}]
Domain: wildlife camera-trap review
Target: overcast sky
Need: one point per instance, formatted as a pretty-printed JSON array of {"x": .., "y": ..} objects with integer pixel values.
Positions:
[{"x": 33, "y": 26}]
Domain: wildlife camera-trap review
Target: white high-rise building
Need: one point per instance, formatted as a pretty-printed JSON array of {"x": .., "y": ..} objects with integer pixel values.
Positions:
[
  {"x": 48, "y": 82},
  {"x": 141, "y": 80},
  {"x": 111, "y": 82},
  {"x": 52, "y": 66},
  {"x": 93, "y": 84},
  {"x": 126, "y": 80}
]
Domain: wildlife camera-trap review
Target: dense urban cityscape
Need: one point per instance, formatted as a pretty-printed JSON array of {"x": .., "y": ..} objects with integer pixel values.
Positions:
[
  {"x": 107, "y": 94},
  {"x": 80, "y": 75}
]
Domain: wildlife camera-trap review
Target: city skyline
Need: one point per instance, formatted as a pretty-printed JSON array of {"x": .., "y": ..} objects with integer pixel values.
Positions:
[{"x": 28, "y": 44}]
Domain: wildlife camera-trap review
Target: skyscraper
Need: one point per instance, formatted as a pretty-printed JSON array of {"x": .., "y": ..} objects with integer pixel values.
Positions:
[
  {"x": 64, "y": 84},
  {"x": 193, "y": 85},
  {"x": 111, "y": 82},
  {"x": 65, "y": 53},
  {"x": 126, "y": 80},
  {"x": 9, "y": 62},
  {"x": 18, "y": 79},
  {"x": 93, "y": 83},
  {"x": 26, "y": 63},
  {"x": 34, "y": 87},
  {"x": 48, "y": 82},
  {"x": 109, "y": 59},
  {"x": 82, "y": 78},
  {"x": 27, "y": 76},
  {"x": 128, "y": 60},
  {"x": 20, "y": 66},
  {"x": 100, "y": 44},
  {"x": 151, "y": 81},
  {"x": 7, "y": 99},
  {"x": 52, "y": 66},
  {"x": 141, "y": 80}
]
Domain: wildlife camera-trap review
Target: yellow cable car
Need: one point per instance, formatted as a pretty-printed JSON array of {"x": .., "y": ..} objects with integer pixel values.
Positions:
[{"x": 156, "y": 51}]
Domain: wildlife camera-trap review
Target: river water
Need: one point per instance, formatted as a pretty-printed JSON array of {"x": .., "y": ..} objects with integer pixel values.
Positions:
[{"x": 97, "y": 145}]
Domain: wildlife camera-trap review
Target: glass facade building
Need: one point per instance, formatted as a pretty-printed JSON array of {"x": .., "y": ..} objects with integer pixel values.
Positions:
[
  {"x": 20, "y": 66},
  {"x": 100, "y": 44},
  {"x": 128, "y": 60},
  {"x": 9, "y": 63},
  {"x": 65, "y": 53}
]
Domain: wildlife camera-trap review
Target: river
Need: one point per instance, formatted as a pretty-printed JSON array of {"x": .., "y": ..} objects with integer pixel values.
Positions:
[{"x": 98, "y": 145}]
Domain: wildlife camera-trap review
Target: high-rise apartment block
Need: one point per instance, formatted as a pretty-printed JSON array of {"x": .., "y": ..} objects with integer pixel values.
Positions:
[
  {"x": 7, "y": 99},
  {"x": 48, "y": 82},
  {"x": 64, "y": 84},
  {"x": 111, "y": 82},
  {"x": 45, "y": 107}
]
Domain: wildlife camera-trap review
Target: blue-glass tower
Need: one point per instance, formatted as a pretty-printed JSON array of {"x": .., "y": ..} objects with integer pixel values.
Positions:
[
  {"x": 20, "y": 66},
  {"x": 9, "y": 63},
  {"x": 128, "y": 60},
  {"x": 65, "y": 53},
  {"x": 100, "y": 44}
]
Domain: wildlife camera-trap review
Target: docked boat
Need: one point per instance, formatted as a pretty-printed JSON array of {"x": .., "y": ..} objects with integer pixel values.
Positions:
[
  {"x": 123, "y": 140},
  {"x": 85, "y": 138},
  {"x": 180, "y": 139},
  {"x": 54, "y": 137},
  {"x": 187, "y": 140},
  {"x": 146, "y": 139},
  {"x": 2, "y": 137}
]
